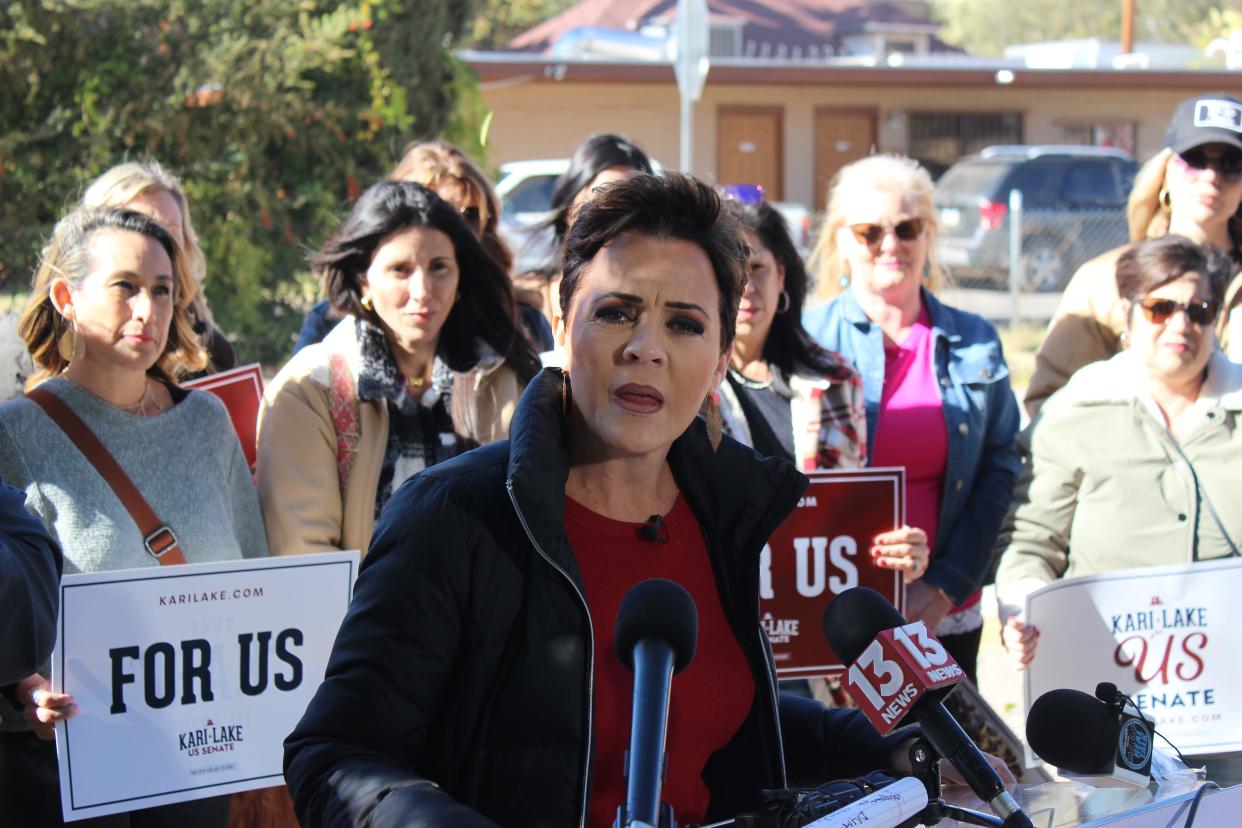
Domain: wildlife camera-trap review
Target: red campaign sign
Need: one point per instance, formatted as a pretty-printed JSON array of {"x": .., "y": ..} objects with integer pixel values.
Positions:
[
  {"x": 241, "y": 391},
  {"x": 823, "y": 549},
  {"x": 896, "y": 670}
]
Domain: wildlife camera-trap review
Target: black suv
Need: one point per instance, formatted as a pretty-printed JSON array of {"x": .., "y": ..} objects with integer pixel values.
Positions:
[{"x": 1073, "y": 208}]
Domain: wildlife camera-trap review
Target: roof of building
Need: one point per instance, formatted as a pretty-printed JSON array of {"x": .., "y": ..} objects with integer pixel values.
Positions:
[
  {"x": 491, "y": 67},
  {"x": 790, "y": 23}
]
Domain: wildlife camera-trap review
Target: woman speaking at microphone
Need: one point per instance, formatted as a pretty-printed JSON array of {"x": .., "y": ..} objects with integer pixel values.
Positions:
[{"x": 482, "y": 621}]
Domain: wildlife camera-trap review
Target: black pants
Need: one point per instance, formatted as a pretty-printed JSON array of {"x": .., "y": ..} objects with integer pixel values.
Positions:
[{"x": 30, "y": 794}]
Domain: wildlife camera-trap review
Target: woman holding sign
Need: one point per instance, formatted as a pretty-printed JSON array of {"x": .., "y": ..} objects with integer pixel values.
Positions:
[
  {"x": 934, "y": 378},
  {"x": 1134, "y": 463},
  {"x": 109, "y": 325},
  {"x": 482, "y": 620},
  {"x": 427, "y": 363}
]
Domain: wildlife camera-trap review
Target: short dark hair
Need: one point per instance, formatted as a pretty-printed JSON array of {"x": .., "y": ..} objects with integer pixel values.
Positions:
[
  {"x": 592, "y": 157},
  {"x": 788, "y": 344},
  {"x": 1151, "y": 263},
  {"x": 486, "y": 308},
  {"x": 670, "y": 206}
]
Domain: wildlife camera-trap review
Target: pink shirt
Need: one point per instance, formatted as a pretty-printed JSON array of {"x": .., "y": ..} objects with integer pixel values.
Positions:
[{"x": 911, "y": 430}]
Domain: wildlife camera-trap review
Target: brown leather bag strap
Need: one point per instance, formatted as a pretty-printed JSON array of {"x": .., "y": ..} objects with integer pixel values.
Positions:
[{"x": 159, "y": 540}]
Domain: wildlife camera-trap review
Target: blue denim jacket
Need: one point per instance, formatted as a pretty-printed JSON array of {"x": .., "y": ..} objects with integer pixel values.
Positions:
[{"x": 980, "y": 412}]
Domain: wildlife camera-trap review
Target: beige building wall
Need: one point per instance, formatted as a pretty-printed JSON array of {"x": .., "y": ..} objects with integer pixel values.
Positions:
[{"x": 547, "y": 120}]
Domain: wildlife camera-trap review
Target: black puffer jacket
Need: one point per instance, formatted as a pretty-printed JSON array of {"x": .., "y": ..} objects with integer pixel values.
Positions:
[{"x": 459, "y": 690}]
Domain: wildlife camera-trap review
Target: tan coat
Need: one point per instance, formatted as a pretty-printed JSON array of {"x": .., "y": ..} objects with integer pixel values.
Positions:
[
  {"x": 299, "y": 487},
  {"x": 1105, "y": 487},
  {"x": 1087, "y": 327}
]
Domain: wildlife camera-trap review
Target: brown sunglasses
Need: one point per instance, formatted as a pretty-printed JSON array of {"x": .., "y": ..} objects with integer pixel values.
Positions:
[
  {"x": 873, "y": 234},
  {"x": 1159, "y": 311}
]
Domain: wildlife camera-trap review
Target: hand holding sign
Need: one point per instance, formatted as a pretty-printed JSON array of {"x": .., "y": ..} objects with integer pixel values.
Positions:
[
  {"x": 904, "y": 549},
  {"x": 44, "y": 707}
]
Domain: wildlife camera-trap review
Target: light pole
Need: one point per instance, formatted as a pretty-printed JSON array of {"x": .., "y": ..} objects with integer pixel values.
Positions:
[{"x": 690, "y": 65}]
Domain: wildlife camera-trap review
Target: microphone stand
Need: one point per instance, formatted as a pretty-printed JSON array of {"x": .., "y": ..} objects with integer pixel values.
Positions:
[
  {"x": 926, "y": 768},
  {"x": 666, "y": 819}
]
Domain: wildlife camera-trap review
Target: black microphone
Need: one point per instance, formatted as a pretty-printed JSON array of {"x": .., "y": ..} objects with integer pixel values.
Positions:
[
  {"x": 853, "y": 621},
  {"x": 1092, "y": 739},
  {"x": 656, "y": 634},
  {"x": 654, "y": 530}
]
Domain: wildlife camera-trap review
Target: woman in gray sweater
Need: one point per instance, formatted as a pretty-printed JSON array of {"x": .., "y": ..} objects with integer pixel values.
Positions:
[{"x": 109, "y": 328}]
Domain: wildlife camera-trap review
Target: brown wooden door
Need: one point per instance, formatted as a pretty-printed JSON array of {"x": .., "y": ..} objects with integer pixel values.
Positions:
[
  {"x": 749, "y": 148},
  {"x": 841, "y": 137}
]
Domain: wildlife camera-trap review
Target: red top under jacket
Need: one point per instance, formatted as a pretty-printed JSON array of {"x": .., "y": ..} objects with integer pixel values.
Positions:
[{"x": 710, "y": 698}]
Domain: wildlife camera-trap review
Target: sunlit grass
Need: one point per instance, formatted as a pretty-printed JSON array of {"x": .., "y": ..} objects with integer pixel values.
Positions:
[{"x": 1020, "y": 343}]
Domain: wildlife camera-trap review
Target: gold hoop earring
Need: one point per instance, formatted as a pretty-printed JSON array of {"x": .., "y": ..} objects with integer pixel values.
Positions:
[
  {"x": 783, "y": 302},
  {"x": 715, "y": 426},
  {"x": 1166, "y": 201}
]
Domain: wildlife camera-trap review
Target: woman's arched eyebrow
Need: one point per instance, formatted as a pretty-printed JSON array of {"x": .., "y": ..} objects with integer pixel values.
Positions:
[{"x": 631, "y": 299}]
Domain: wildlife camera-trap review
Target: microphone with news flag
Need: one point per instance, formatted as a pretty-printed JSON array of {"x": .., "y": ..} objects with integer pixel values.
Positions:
[
  {"x": 898, "y": 670},
  {"x": 1092, "y": 739}
]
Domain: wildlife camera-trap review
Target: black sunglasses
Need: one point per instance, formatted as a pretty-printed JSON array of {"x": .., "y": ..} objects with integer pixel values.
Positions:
[
  {"x": 873, "y": 234},
  {"x": 1159, "y": 311},
  {"x": 1228, "y": 163}
]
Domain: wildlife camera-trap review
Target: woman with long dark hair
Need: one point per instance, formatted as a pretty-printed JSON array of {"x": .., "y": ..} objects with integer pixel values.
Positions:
[
  {"x": 601, "y": 159},
  {"x": 784, "y": 394},
  {"x": 426, "y": 363}
]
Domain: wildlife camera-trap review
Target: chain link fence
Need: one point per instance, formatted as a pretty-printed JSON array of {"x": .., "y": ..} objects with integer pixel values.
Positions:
[{"x": 1026, "y": 255}]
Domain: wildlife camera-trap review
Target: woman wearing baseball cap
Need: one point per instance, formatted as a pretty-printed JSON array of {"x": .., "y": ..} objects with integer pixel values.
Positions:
[{"x": 1191, "y": 188}]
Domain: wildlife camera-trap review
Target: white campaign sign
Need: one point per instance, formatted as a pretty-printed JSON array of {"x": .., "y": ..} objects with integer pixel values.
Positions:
[
  {"x": 188, "y": 678},
  {"x": 1168, "y": 636}
]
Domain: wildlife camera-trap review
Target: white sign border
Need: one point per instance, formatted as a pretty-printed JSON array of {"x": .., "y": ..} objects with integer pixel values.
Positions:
[
  {"x": 73, "y": 811},
  {"x": 1198, "y": 567}
]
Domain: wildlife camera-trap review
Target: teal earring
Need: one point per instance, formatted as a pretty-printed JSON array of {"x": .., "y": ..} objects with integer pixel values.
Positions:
[{"x": 845, "y": 278}]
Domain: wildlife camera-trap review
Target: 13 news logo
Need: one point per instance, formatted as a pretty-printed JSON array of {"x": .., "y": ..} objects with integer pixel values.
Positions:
[{"x": 896, "y": 670}]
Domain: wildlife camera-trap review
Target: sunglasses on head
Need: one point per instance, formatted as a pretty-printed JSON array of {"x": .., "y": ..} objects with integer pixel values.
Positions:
[
  {"x": 1159, "y": 311},
  {"x": 748, "y": 194},
  {"x": 873, "y": 234},
  {"x": 1228, "y": 163}
]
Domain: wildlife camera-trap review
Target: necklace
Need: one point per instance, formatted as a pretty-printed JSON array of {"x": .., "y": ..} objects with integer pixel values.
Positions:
[
  {"x": 747, "y": 382},
  {"x": 137, "y": 408},
  {"x": 415, "y": 382}
]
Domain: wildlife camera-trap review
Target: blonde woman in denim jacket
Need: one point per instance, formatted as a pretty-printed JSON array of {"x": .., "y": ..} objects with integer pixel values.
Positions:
[{"x": 936, "y": 386}]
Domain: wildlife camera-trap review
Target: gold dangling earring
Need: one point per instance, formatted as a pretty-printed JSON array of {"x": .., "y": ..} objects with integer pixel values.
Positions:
[
  {"x": 715, "y": 426},
  {"x": 67, "y": 344},
  {"x": 1166, "y": 200},
  {"x": 366, "y": 303},
  {"x": 565, "y": 393}
]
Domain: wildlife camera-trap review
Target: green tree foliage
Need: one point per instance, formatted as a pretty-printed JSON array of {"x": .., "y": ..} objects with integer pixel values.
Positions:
[
  {"x": 986, "y": 27},
  {"x": 499, "y": 21},
  {"x": 274, "y": 113}
]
